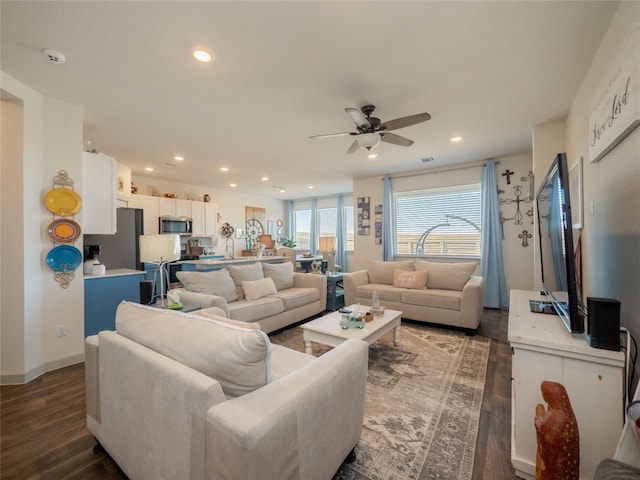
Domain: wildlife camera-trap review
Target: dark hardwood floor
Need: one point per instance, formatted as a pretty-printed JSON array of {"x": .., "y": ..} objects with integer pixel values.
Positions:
[{"x": 43, "y": 433}]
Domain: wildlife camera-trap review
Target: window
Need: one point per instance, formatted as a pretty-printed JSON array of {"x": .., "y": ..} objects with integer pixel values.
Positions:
[
  {"x": 347, "y": 213},
  {"x": 303, "y": 229},
  {"x": 327, "y": 222},
  {"x": 439, "y": 221}
]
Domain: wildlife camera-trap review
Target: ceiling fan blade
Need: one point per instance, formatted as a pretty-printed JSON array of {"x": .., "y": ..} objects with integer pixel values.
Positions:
[
  {"x": 396, "y": 139},
  {"x": 354, "y": 146},
  {"x": 405, "y": 121},
  {"x": 358, "y": 118},
  {"x": 341, "y": 134}
]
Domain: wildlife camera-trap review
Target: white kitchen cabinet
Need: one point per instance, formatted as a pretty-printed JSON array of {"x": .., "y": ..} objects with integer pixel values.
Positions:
[
  {"x": 183, "y": 208},
  {"x": 197, "y": 214},
  {"x": 543, "y": 349},
  {"x": 210, "y": 219},
  {"x": 166, "y": 206},
  {"x": 149, "y": 205},
  {"x": 98, "y": 194}
]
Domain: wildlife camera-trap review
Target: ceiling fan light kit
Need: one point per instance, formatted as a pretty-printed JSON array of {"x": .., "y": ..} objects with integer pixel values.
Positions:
[{"x": 370, "y": 130}]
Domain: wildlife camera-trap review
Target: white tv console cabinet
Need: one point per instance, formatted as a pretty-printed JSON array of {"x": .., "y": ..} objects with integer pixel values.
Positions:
[{"x": 543, "y": 349}]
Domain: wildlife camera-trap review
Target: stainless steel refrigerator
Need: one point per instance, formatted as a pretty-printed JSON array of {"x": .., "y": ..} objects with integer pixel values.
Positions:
[{"x": 121, "y": 250}]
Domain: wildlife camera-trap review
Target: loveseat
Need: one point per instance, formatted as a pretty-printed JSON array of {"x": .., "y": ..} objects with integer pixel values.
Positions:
[
  {"x": 442, "y": 293},
  {"x": 271, "y": 294},
  {"x": 172, "y": 395}
]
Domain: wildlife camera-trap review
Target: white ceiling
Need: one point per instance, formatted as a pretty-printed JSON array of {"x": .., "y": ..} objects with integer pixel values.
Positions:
[{"x": 488, "y": 71}]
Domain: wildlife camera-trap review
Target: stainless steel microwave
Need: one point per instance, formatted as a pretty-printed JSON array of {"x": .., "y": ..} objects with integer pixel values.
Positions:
[{"x": 182, "y": 226}]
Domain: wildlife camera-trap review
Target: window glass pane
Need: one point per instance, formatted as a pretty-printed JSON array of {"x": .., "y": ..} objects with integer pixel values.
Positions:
[
  {"x": 327, "y": 222},
  {"x": 303, "y": 229},
  {"x": 439, "y": 221},
  {"x": 347, "y": 212}
]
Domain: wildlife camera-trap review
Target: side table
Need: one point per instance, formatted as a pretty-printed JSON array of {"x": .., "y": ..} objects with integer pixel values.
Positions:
[{"x": 335, "y": 292}]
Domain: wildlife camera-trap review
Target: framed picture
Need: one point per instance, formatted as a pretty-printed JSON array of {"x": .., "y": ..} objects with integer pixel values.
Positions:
[
  {"x": 575, "y": 193},
  {"x": 364, "y": 222}
]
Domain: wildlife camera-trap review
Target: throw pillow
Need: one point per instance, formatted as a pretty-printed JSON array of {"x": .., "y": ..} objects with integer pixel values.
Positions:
[
  {"x": 218, "y": 282},
  {"x": 407, "y": 279},
  {"x": 255, "y": 289},
  {"x": 280, "y": 273},
  {"x": 242, "y": 273},
  {"x": 382, "y": 272},
  {"x": 446, "y": 276},
  {"x": 217, "y": 315}
]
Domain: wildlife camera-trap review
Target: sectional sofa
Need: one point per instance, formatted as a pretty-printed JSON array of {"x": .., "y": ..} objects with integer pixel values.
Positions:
[
  {"x": 442, "y": 293},
  {"x": 173, "y": 395},
  {"x": 273, "y": 295}
]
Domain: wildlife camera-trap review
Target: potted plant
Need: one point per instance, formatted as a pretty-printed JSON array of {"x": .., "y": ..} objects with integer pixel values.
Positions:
[{"x": 289, "y": 242}]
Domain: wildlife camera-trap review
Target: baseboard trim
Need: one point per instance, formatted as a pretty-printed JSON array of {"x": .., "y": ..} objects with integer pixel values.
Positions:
[{"x": 23, "y": 378}]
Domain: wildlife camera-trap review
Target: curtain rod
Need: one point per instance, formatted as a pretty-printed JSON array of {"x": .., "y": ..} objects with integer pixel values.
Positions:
[{"x": 442, "y": 170}]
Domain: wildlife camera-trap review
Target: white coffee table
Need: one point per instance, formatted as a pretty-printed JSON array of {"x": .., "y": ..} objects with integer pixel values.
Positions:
[{"x": 327, "y": 330}]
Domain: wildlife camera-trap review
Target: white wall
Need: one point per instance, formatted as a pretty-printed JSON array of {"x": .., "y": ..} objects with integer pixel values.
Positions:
[
  {"x": 518, "y": 260},
  {"x": 231, "y": 205},
  {"x": 33, "y": 303},
  {"x": 611, "y": 233}
]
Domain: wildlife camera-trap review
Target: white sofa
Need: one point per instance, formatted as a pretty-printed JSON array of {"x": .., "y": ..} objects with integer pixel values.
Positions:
[
  {"x": 271, "y": 294},
  {"x": 442, "y": 293},
  {"x": 173, "y": 396}
]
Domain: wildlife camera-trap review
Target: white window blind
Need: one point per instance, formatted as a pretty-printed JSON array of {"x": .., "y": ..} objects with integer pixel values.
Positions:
[{"x": 439, "y": 221}]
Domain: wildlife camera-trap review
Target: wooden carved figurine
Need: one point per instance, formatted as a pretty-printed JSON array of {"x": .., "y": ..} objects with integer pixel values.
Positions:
[{"x": 558, "y": 456}]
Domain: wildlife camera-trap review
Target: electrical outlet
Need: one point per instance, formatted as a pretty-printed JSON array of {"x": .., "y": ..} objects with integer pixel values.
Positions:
[{"x": 61, "y": 330}]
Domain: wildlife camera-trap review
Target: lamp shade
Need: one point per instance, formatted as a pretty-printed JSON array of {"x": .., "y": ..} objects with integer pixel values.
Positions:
[
  {"x": 327, "y": 244},
  {"x": 159, "y": 248},
  {"x": 368, "y": 140}
]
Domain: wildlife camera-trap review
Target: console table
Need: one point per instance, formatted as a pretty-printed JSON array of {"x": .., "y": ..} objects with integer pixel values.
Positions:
[{"x": 543, "y": 349}]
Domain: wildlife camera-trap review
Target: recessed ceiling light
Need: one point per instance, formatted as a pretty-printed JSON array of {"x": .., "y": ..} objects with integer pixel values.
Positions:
[
  {"x": 455, "y": 139},
  {"x": 149, "y": 169},
  {"x": 179, "y": 158},
  {"x": 282, "y": 190},
  {"x": 233, "y": 184},
  {"x": 310, "y": 187},
  {"x": 202, "y": 56},
  {"x": 224, "y": 169},
  {"x": 372, "y": 155},
  {"x": 264, "y": 179}
]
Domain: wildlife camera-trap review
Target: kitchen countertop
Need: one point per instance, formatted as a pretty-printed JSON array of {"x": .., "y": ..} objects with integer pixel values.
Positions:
[
  {"x": 116, "y": 272},
  {"x": 234, "y": 261}
]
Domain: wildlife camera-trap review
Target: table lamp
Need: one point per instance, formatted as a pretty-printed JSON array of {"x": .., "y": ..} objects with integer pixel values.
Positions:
[
  {"x": 328, "y": 249},
  {"x": 159, "y": 250}
]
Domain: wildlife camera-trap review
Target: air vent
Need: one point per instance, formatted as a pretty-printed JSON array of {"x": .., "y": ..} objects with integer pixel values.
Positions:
[
  {"x": 427, "y": 159},
  {"x": 54, "y": 56}
]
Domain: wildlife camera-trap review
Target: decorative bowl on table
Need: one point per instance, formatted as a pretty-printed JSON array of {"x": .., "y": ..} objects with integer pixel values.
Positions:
[{"x": 377, "y": 312}]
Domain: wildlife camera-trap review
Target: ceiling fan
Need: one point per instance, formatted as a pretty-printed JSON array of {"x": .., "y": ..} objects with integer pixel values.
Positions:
[{"x": 370, "y": 130}]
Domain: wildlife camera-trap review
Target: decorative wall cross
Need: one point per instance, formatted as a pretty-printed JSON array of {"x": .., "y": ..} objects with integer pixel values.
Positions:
[
  {"x": 517, "y": 191},
  {"x": 525, "y": 236},
  {"x": 507, "y": 173}
]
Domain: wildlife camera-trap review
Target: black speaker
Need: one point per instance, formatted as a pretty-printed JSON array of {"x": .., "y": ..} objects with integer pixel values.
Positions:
[
  {"x": 603, "y": 327},
  {"x": 146, "y": 292}
]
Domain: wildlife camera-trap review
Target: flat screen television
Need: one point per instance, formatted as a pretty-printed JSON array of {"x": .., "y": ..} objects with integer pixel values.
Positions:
[{"x": 557, "y": 256}]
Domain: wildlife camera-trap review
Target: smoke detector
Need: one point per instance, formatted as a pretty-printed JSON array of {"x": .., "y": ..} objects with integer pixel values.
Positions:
[{"x": 54, "y": 56}]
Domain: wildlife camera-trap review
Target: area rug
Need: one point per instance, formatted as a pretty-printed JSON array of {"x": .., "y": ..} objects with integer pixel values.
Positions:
[{"x": 423, "y": 404}]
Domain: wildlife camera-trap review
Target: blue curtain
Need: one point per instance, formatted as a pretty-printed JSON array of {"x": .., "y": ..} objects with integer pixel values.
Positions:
[
  {"x": 313, "y": 244},
  {"x": 388, "y": 233},
  {"x": 291, "y": 233},
  {"x": 495, "y": 285},
  {"x": 341, "y": 237}
]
